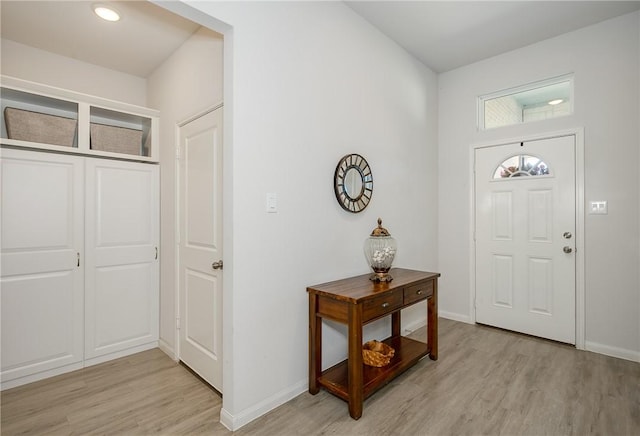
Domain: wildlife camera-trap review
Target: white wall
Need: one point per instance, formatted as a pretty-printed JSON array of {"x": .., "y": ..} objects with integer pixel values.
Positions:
[
  {"x": 311, "y": 82},
  {"x": 187, "y": 83},
  {"x": 605, "y": 61},
  {"x": 35, "y": 65}
]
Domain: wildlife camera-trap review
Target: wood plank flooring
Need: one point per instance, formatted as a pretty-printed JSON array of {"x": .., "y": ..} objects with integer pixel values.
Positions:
[
  {"x": 145, "y": 393},
  {"x": 486, "y": 382}
]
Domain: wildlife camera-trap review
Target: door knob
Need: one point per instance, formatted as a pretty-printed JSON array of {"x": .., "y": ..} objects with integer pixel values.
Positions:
[
  {"x": 567, "y": 249},
  {"x": 217, "y": 265},
  {"x": 566, "y": 235}
]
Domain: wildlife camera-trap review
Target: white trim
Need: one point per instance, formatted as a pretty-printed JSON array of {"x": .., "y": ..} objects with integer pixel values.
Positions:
[
  {"x": 167, "y": 349},
  {"x": 234, "y": 422},
  {"x": 472, "y": 232},
  {"x": 119, "y": 354},
  {"x": 176, "y": 240},
  {"x": 413, "y": 326},
  {"x": 40, "y": 376},
  {"x": 200, "y": 114},
  {"x": 578, "y": 134},
  {"x": 457, "y": 316},
  {"x": 581, "y": 287},
  {"x": 226, "y": 419},
  {"x": 620, "y": 353}
]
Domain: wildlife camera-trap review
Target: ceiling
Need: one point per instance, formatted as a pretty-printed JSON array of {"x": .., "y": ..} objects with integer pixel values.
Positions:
[
  {"x": 137, "y": 44},
  {"x": 442, "y": 34},
  {"x": 449, "y": 34}
]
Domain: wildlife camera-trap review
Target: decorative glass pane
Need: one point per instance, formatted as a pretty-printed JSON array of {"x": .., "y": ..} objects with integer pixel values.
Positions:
[{"x": 521, "y": 165}]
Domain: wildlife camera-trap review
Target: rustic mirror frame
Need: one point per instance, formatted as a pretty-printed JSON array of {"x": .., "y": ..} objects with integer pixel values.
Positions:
[{"x": 349, "y": 200}]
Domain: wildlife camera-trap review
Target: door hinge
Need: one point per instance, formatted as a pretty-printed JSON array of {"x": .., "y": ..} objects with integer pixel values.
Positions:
[
  {"x": 177, "y": 323},
  {"x": 78, "y": 255},
  {"x": 178, "y": 152}
]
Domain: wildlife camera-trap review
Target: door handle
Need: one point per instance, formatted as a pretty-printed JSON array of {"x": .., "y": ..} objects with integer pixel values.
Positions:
[
  {"x": 217, "y": 265},
  {"x": 567, "y": 249}
]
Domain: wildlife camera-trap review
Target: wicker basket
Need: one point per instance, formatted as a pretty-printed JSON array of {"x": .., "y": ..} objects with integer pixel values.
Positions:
[
  {"x": 116, "y": 139},
  {"x": 38, "y": 127},
  {"x": 378, "y": 354}
]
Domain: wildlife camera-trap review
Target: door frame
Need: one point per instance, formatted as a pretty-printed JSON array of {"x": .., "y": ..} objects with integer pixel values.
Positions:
[
  {"x": 578, "y": 133},
  {"x": 176, "y": 230}
]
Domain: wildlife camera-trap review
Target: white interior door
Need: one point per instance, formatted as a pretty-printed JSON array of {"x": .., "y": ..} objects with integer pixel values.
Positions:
[
  {"x": 525, "y": 237},
  {"x": 200, "y": 246},
  {"x": 42, "y": 243},
  {"x": 122, "y": 290}
]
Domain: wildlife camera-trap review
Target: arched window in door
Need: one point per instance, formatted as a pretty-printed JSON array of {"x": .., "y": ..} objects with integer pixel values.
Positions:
[{"x": 522, "y": 165}]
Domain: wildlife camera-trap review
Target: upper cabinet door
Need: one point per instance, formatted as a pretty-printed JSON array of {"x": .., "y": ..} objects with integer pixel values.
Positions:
[
  {"x": 122, "y": 219},
  {"x": 42, "y": 247}
]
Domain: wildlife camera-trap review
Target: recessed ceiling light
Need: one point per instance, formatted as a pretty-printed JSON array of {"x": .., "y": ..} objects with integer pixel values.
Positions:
[
  {"x": 555, "y": 102},
  {"x": 106, "y": 13}
]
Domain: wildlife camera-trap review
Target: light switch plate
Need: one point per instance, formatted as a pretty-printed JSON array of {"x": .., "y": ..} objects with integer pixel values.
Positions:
[
  {"x": 598, "y": 208},
  {"x": 272, "y": 202}
]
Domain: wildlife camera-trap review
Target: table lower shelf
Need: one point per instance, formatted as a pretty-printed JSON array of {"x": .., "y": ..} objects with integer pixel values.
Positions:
[{"x": 407, "y": 353}]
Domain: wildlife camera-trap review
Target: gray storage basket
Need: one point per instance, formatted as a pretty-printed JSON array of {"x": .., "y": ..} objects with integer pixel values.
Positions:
[
  {"x": 116, "y": 139},
  {"x": 38, "y": 127}
]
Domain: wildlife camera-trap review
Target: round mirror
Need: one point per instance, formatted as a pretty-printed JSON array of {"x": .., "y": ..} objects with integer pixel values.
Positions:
[{"x": 353, "y": 183}]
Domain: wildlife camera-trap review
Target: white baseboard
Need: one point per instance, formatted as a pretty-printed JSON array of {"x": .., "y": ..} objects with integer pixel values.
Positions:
[
  {"x": 455, "y": 316},
  {"x": 168, "y": 350},
  {"x": 40, "y": 376},
  {"x": 8, "y": 384},
  {"x": 226, "y": 419},
  {"x": 412, "y": 327},
  {"x": 118, "y": 354},
  {"x": 620, "y": 353},
  {"x": 234, "y": 422}
]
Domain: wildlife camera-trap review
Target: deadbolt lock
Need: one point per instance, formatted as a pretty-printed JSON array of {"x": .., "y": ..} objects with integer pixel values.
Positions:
[{"x": 566, "y": 235}]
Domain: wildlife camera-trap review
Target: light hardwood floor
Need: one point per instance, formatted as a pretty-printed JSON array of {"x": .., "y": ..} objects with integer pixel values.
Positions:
[{"x": 486, "y": 381}]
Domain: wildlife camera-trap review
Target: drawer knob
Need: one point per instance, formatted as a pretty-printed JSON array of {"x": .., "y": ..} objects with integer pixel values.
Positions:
[
  {"x": 419, "y": 292},
  {"x": 385, "y": 305}
]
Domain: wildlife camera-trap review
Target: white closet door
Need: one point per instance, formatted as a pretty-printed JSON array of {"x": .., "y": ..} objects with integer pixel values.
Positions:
[
  {"x": 41, "y": 286},
  {"x": 122, "y": 203}
]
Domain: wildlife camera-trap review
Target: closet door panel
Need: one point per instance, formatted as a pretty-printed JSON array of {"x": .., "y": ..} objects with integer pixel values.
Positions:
[
  {"x": 115, "y": 285},
  {"x": 37, "y": 321},
  {"x": 41, "y": 284},
  {"x": 122, "y": 257}
]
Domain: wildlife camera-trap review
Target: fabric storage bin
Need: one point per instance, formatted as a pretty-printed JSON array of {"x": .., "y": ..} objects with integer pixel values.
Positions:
[
  {"x": 38, "y": 127},
  {"x": 116, "y": 139}
]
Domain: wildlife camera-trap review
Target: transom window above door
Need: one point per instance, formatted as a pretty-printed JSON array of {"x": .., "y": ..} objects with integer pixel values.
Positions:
[
  {"x": 549, "y": 98},
  {"x": 522, "y": 165}
]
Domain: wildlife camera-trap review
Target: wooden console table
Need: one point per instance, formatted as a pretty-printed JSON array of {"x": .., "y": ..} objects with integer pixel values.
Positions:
[{"x": 355, "y": 302}]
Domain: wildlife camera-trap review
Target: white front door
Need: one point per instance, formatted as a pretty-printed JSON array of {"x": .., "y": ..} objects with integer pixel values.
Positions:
[
  {"x": 525, "y": 237},
  {"x": 200, "y": 246}
]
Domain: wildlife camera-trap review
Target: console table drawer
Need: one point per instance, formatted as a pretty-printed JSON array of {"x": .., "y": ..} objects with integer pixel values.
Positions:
[
  {"x": 418, "y": 292},
  {"x": 382, "y": 305}
]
